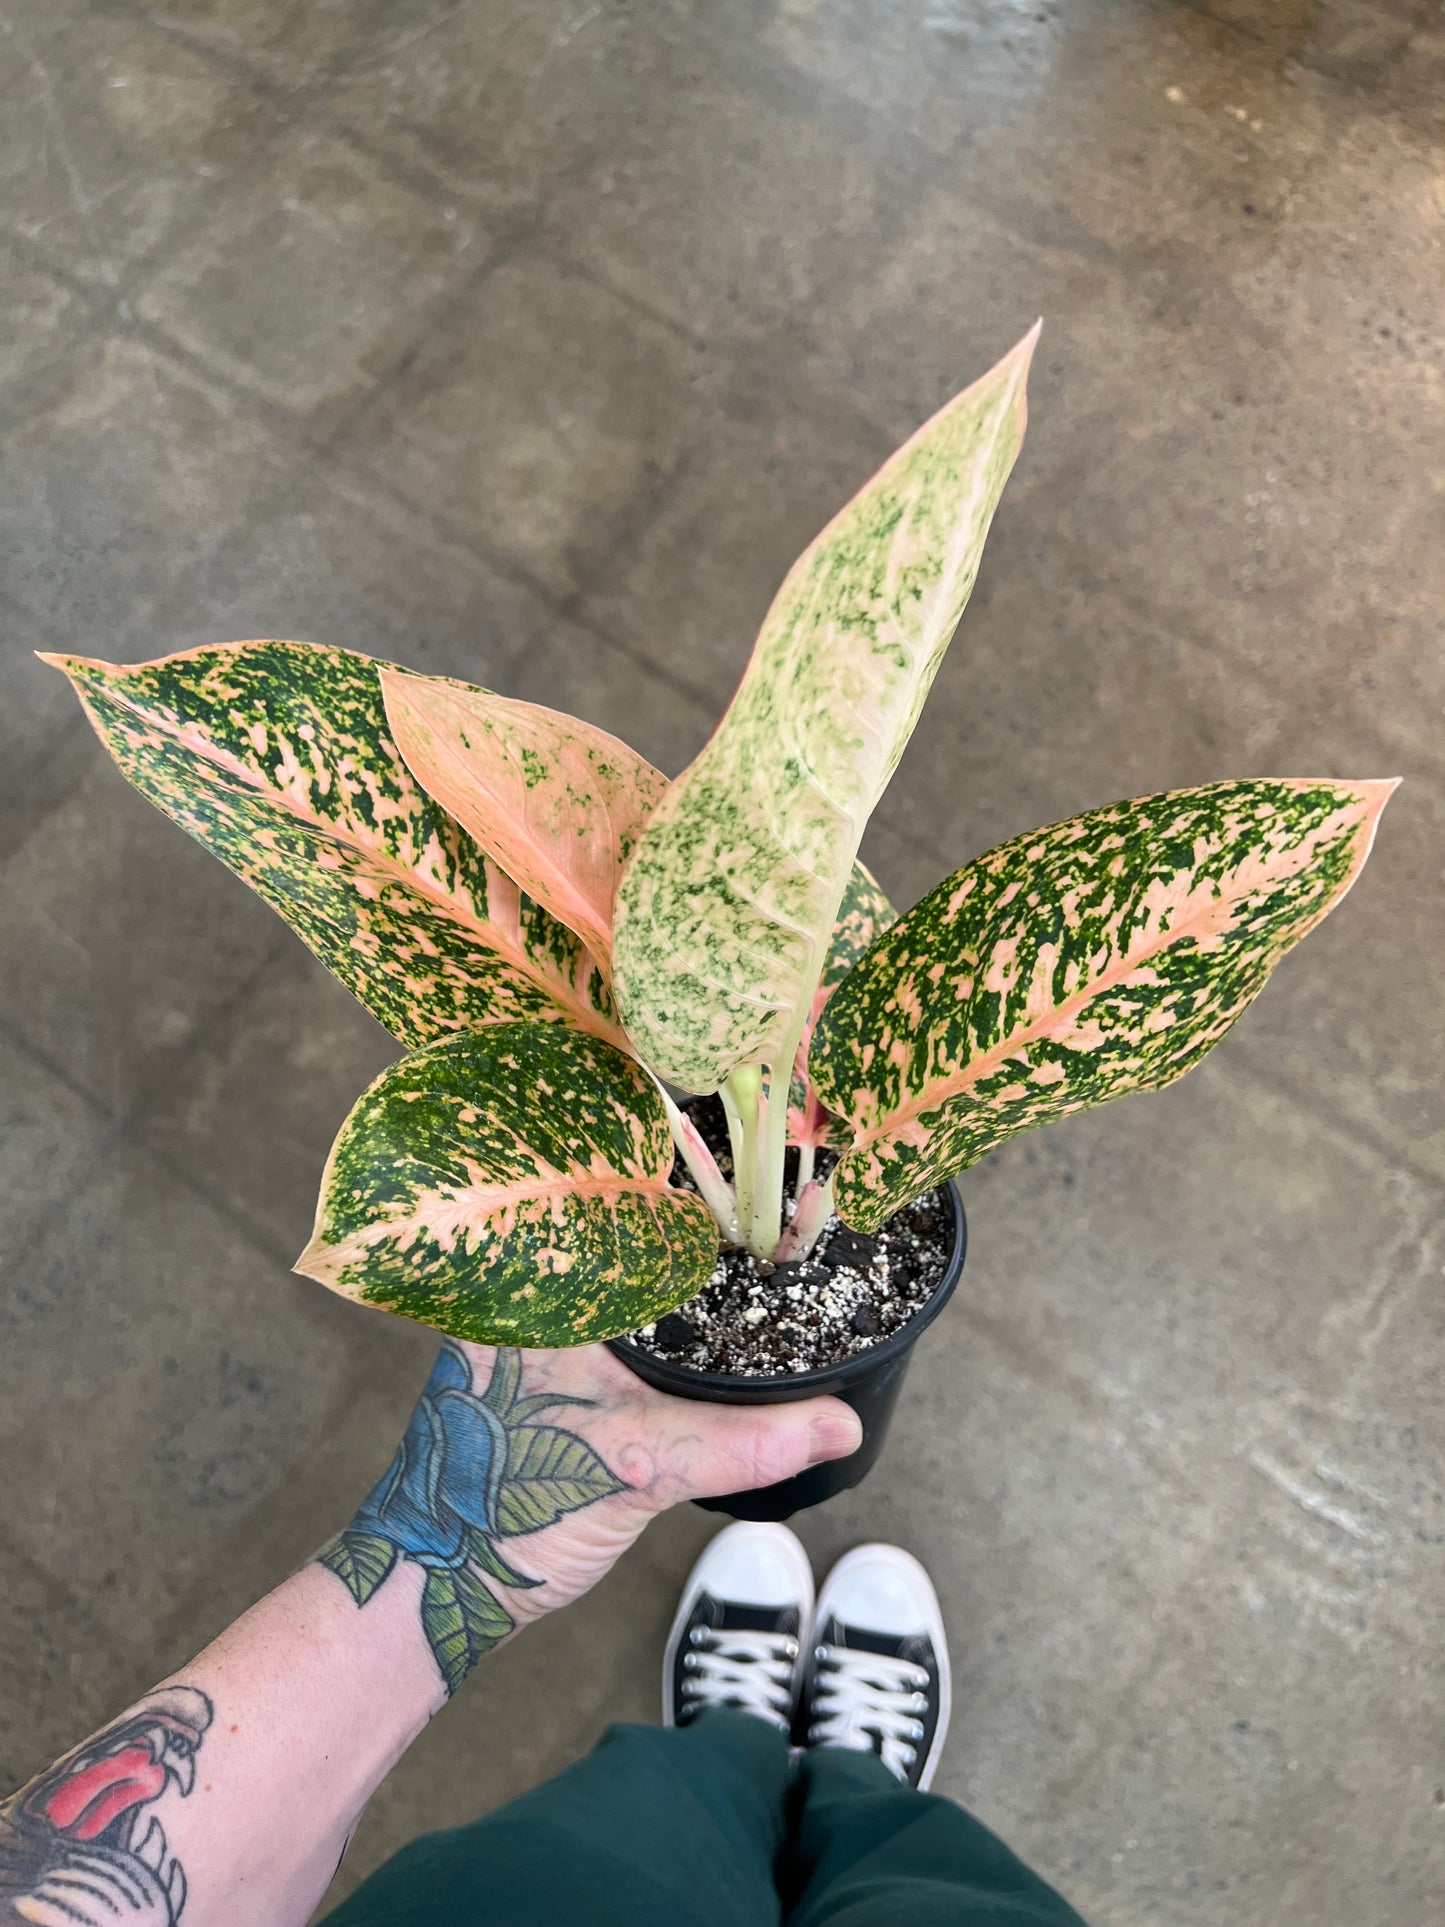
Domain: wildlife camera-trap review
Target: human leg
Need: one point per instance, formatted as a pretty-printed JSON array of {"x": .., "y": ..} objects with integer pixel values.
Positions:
[
  {"x": 867, "y": 1847},
  {"x": 654, "y": 1826},
  {"x": 866, "y": 1850},
  {"x": 659, "y": 1824}
]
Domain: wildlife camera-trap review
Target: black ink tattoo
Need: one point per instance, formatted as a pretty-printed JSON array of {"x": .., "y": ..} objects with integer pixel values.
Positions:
[
  {"x": 76, "y": 1848},
  {"x": 471, "y": 1470}
]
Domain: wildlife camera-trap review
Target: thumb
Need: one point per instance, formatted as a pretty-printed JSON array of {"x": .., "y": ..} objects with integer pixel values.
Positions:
[{"x": 743, "y": 1446}]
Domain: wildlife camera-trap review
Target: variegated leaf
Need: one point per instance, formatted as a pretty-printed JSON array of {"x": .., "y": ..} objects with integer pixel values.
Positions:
[
  {"x": 277, "y": 756},
  {"x": 1104, "y": 955},
  {"x": 556, "y": 802},
  {"x": 725, "y": 908},
  {"x": 510, "y": 1186},
  {"x": 864, "y": 914}
]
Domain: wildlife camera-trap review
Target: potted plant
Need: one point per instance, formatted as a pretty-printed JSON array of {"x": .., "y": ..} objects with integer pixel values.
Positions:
[{"x": 565, "y": 942}]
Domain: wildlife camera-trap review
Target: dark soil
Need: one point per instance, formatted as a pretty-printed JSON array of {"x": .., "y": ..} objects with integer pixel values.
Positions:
[{"x": 851, "y": 1292}]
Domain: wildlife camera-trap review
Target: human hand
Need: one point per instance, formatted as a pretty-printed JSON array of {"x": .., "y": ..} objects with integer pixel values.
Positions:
[
  {"x": 524, "y": 1475},
  {"x": 520, "y": 1479}
]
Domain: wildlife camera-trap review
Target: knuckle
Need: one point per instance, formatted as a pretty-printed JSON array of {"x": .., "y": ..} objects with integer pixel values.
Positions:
[{"x": 766, "y": 1453}]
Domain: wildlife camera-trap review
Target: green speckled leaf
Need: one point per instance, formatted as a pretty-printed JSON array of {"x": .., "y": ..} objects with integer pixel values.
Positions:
[
  {"x": 557, "y": 803},
  {"x": 360, "y": 1560},
  {"x": 462, "y": 1621},
  {"x": 549, "y": 1472},
  {"x": 277, "y": 756},
  {"x": 510, "y": 1186},
  {"x": 865, "y": 913},
  {"x": 726, "y": 905},
  {"x": 1100, "y": 956}
]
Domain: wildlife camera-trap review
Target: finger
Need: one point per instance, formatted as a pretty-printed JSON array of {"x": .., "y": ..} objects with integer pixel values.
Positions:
[{"x": 739, "y": 1447}]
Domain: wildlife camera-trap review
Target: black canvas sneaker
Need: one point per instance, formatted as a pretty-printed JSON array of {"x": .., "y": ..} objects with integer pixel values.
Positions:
[
  {"x": 741, "y": 1634},
  {"x": 878, "y": 1678}
]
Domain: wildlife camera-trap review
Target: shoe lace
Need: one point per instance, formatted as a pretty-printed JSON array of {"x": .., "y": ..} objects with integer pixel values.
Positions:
[
  {"x": 859, "y": 1698},
  {"x": 750, "y": 1670}
]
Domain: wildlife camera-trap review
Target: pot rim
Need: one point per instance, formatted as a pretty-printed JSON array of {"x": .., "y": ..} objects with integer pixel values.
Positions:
[{"x": 757, "y": 1389}]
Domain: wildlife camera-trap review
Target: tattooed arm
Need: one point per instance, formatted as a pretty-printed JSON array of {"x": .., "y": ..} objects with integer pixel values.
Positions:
[{"x": 228, "y": 1794}]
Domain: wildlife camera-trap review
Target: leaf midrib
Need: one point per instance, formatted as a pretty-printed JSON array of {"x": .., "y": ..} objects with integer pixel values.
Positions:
[
  {"x": 560, "y": 882},
  {"x": 339, "y": 1252},
  {"x": 972, "y": 1073}
]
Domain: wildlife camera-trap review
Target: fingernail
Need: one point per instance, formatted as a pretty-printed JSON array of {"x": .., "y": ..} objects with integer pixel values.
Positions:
[{"x": 833, "y": 1435}]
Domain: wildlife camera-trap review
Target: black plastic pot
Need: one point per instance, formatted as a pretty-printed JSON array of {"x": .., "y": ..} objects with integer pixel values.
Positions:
[{"x": 870, "y": 1382}]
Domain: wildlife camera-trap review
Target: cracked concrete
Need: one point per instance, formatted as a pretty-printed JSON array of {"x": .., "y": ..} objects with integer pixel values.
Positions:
[{"x": 528, "y": 341}]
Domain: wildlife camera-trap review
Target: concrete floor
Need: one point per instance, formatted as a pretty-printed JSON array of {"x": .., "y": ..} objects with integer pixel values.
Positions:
[{"x": 528, "y": 340}]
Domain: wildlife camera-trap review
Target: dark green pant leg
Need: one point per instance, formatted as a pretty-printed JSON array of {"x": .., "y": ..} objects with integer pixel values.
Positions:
[
  {"x": 654, "y": 1828},
  {"x": 867, "y": 1852}
]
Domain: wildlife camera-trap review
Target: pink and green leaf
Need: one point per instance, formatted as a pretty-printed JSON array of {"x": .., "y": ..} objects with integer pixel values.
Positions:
[
  {"x": 725, "y": 908},
  {"x": 1101, "y": 956},
  {"x": 557, "y": 803},
  {"x": 510, "y": 1186},
  {"x": 277, "y": 756},
  {"x": 864, "y": 914}
]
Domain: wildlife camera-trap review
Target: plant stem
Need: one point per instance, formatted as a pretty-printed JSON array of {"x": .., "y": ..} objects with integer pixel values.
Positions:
[
  {"x": 714, "y": 1189},
  {"x": 742, "y": 1095},
  {"x": 805, "y": 1169},
  {"x": 767, "y": 1214},
  {"x": 815, "y": 1207}
]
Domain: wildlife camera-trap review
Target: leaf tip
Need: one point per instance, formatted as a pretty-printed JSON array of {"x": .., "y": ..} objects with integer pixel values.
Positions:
[
  {"x": 71, "y": 666},
  {"x": 1376, "y": 792},
  {"x": 1372, "y": 794},
  {"x": 313, "y": 1263},
  {"x": 1020, "y": 357}
]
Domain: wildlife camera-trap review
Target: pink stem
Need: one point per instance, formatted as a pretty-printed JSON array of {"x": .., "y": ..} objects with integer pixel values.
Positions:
[
  {"x": 716, "y": 1193},
  {"x": 814, "y": 1208}
]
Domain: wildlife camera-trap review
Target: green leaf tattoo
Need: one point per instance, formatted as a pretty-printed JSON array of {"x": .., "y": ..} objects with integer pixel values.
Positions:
[
  {"x": 502, "y": 1386},
  {"x": 486, "y": 1557},
  {"x": 462, "y": 1621},
  {"x": 360, "y": 1560},
  {"x": 549, "y": 1472},
  {"x": 470, "y": 1470}
]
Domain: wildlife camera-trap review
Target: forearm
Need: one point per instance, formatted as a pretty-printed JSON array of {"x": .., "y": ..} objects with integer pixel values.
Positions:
[
  {"x": 312, "y": 1704},
  {"x": 230, "y": 1791},
  {"x": 228, "y": 1794}
]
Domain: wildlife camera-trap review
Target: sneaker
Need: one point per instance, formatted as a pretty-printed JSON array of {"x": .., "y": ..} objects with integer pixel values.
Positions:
[
  {"x": 879, "y": 1680},
  {"x": 741, "y": 1633}
]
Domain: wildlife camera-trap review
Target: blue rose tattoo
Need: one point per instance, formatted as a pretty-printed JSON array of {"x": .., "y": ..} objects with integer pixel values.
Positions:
[
  {"x": 446, "y": 1478},
  {"x": 471, "y": 1470}
]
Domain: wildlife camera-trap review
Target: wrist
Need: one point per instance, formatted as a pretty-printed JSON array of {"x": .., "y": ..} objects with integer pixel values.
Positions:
[{"x": 471, "y": 1513}]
